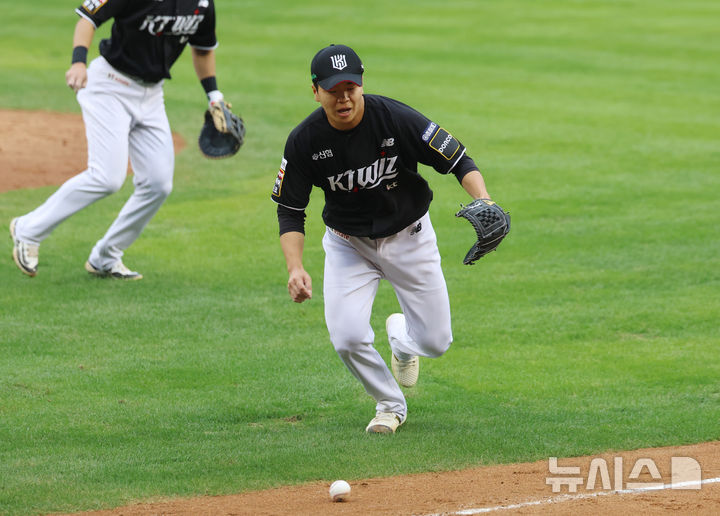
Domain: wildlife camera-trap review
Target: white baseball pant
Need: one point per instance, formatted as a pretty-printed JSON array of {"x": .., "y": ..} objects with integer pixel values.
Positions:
[
  {"x": 354, "y": 266},
  {"x": 123, "y": 117}
]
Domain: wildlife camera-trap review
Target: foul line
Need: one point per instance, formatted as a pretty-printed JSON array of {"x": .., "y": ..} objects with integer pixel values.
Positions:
[{"x": 567, "y": 497}]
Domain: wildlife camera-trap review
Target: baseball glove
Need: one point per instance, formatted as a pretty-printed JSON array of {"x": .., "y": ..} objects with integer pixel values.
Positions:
[
  {"x": 491, "y": 225},
  {"x": 222, "y": 133}
]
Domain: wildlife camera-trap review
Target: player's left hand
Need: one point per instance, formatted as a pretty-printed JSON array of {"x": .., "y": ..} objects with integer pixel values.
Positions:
[
  {"x": 300, "y": 285},
  {"x": 221, "y": 115},
  {"x": 491, "y": 224},
  {"x": 222, "y": 133}
]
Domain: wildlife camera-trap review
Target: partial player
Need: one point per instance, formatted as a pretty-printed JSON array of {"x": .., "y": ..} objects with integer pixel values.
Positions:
[
  {"x": 121, "y": 97},
  {"x": 363, "y": 151}
]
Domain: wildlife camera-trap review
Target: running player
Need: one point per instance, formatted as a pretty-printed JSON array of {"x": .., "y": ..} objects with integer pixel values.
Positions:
[
  {"x": 363, "y": 151},
  {"x": 121, "y": 97}
]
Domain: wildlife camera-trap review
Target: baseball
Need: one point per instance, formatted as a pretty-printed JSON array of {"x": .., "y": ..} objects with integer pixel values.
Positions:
[{"x": 339, "y": 491}]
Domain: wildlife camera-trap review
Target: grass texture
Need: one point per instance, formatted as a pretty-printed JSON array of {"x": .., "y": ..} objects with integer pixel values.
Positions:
[{"x": 594, "y": 327}]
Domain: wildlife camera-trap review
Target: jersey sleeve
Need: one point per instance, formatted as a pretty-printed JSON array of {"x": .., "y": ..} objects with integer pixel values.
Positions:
[
  {"x": 431, "y": 144},
  {"x": 98, "y": 12},
  {"x": 205, "y": 37},
  {"x": 293, "y": 184}
]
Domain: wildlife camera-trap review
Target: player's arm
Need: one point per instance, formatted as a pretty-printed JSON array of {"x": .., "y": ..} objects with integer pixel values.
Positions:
[
  {"x": 291, "y": 192},
  {"x": 299, "y": 281},
  {"x": 76, "y": 76},
  {"x": 204, "y": 64},
  {"x": 474, "y": 184},
  {"x": 436, "y": 147}
]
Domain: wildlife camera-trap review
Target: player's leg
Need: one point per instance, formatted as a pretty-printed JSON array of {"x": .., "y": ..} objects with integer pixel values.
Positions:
[
  {"x": 349, "y": 287},
  {"x": 153, "y": 159},
  {"x": 107, "y": 124},
  {"x": 411, "y": 262}
]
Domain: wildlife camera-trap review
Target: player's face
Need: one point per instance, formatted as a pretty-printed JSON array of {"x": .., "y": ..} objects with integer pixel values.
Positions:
[{"x": 344, "y": 104}]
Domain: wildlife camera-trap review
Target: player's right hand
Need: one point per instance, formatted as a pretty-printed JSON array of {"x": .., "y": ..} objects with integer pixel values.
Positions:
[
  {"x": 76, "y": 76},
  {"x": 300, "y": 286}
]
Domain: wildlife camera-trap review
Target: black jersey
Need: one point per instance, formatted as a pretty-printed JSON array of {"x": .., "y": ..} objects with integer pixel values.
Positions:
[
  {"x": 369, "y": 173},
  {"x": 148, "y": 36}
]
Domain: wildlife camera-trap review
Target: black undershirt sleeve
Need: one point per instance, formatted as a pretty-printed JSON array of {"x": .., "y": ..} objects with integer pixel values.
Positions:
[
  {"x": 463, "y": 166},
  {"x": 290, "y": 220}
]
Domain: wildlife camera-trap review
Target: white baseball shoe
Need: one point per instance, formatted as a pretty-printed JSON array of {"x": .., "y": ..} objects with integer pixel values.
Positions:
[
  {"x": 406, "y": 371},
  {"x": 118, "y": 271},
  {"x": 25, "y": 255},
  {"x": 384, "y": 423}
]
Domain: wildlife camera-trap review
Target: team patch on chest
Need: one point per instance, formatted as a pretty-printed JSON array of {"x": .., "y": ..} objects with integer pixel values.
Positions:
[
  {"x": 180, "y": 25},
  {"x": 364, "y": 178}
]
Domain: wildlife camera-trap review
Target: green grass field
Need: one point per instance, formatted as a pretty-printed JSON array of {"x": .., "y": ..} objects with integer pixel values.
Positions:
[{"x": 594, "y": 327}]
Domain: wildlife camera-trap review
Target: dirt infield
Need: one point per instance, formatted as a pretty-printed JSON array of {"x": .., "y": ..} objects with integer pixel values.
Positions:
[
  {"x": 42, "y": 149},
  {"x": 506, "y": 489}
]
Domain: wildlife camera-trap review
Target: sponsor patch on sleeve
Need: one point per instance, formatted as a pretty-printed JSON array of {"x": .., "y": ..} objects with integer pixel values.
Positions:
[
  {"x": 429, "y": 131},
  {"x": 277, "y": 188},
  {"x": 92, "y": 6},
  {"x": 444, "y": 142}
]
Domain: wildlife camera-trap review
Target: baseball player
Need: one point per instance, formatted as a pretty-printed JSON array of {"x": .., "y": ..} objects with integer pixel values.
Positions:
[
  {"x": 121, "y": 96},
  {"x": 363, "y": 151}
]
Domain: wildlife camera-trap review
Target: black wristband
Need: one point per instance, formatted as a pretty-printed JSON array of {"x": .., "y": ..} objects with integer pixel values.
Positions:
[
  {"x": 79, "y": 55},
  {"x": 209, "y": 83}
]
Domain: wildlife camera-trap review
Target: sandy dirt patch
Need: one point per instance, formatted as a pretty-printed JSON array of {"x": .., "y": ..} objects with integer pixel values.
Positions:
[
  {"x": 506, "y": 489},
  {"x": 42, "y": 148}
]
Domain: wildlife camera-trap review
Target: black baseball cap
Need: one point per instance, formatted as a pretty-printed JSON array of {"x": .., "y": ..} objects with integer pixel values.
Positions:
[{"x": 335, "y": 64}]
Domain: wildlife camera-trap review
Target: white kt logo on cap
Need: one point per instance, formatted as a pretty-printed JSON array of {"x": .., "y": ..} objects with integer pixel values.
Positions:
[{"x": 339, "y": 62}]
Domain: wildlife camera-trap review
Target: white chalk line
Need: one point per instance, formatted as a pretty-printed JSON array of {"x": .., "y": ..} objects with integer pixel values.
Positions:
[{"x": 568, "y": 497}]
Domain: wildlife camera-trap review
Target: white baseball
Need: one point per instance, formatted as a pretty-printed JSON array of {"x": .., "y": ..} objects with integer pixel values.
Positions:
[{"x": 339, "y": 491}]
